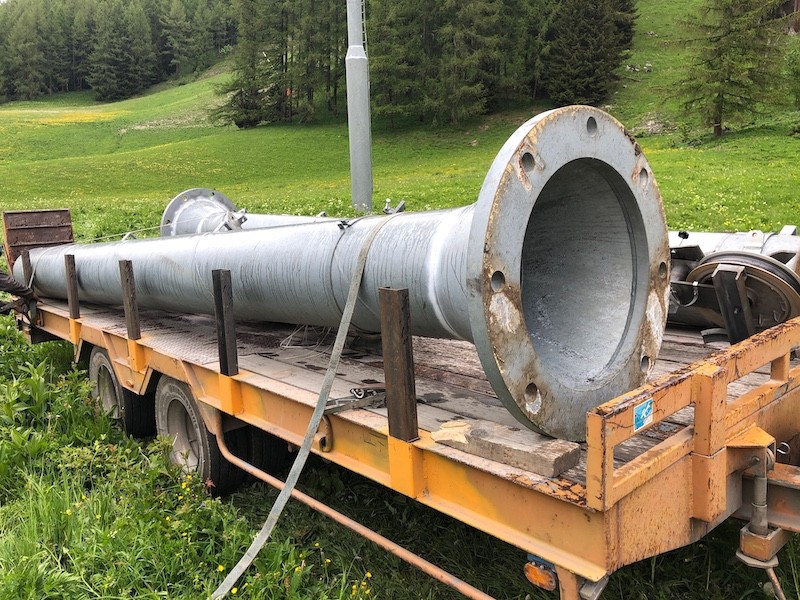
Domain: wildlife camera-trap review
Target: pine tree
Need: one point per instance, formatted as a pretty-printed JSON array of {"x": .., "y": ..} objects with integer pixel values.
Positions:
[
  {"x": 309, "y": 55},
  {"x": 469, "y": 45},
  {"x": 141, "y": 71},
  {"x": 223, "y": 25},
  {"x": 26, "y": 60},
  {"x": 176, "y": 32},
  {"x": 57, "y": 31},
  {"x": 583, "y": 52},
  {"x": 109, "y": 75},
  {"x": 511, "y": 81},
  {"x": 625, "y": 14},
  {"x": 204, "y": 51},
  {"x": 253, "y": 94},
  {"x": 395, "y": 56},
  {"x": 335, "y": 34},
  {"x": 82, "y": 32},
  {"x": 791, "y": 69},
  {"x": 5, "y": 91},
  {"x": 735, "y": 63},
  {"x": 539, "y": 21}
]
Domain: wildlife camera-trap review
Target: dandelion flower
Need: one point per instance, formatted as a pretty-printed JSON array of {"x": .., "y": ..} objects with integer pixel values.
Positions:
[{"x": 220, "y": 568}]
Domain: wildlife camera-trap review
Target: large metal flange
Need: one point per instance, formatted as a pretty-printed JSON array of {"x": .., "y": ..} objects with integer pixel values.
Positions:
[
  {"x": 567, "y": 269},
  {"x": 192, "y": 210}
]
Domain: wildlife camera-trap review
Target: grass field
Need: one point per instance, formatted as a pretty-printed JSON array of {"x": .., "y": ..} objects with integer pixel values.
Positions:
[{"x": 157, "y": 534}]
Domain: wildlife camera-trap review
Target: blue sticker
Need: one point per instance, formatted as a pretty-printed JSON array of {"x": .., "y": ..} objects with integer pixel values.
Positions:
[{"x": 643, "y": 415}]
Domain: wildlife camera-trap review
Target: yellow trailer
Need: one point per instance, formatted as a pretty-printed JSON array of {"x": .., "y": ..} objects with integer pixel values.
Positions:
[{"x": 710, "y": 436}]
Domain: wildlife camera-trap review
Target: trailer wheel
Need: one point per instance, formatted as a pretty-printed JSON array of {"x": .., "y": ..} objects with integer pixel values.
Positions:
[
  {"x": 134, "y": 413},
  {"x": 268, "y": 452},
  {"x": 105, "y": 387},
  {"x": 194, "y": 449}
]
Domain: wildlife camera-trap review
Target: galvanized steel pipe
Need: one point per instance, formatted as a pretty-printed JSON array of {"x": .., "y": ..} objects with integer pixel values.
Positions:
[{"x": 559, "y": 273}]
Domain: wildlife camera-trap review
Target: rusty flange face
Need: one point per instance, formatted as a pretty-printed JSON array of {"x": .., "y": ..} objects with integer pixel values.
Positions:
[{"x": 567, "y": 269}]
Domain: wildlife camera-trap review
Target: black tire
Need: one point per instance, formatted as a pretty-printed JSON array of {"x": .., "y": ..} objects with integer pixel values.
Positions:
[
  {"x": 267, "y": 452},
  {"x": 134, "y": 414},
  {"x": 193, "y": 447}
]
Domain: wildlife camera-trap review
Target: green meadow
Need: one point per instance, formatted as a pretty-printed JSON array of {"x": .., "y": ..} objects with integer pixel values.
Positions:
[
  {"x": 117, "y": 165},
  {"x": 87, "y": 513}
]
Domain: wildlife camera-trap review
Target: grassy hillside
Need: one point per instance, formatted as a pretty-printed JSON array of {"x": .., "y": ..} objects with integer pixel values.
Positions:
[{"x": 117, "y": 165}]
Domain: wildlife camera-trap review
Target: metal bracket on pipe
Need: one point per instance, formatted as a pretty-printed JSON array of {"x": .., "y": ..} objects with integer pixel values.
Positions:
[{"x": 388, "y": 210}]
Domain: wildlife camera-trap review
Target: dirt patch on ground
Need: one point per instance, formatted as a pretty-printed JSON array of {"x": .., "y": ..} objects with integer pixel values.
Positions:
[{"x": 653, "y": 124}]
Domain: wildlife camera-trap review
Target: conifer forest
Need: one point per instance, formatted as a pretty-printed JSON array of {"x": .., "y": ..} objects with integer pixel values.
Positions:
[{"x": 431, "y": 60}]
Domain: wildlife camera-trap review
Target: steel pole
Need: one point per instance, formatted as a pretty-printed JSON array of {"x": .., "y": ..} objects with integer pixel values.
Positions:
[
  {"x": 358, "y": 110},
  {"x": 559, "y": 273}
]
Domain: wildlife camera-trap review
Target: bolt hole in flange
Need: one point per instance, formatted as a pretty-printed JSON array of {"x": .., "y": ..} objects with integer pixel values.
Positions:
[
  {"x": 533, "y": 399},
  {"x": 646, "y": 363},
  {"x": 528, "y": 162},
  {"x": 663, "y": 271},
  {"x": 591, "y": 125},
  {"x": 644, "y": 176},
  {"x": 498, "y": 281}
]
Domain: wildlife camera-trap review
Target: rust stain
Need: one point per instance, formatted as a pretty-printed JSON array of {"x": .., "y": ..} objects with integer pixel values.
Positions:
[
  {"x": 637, "y": 149},
  {"x": 564, "y": 489}
]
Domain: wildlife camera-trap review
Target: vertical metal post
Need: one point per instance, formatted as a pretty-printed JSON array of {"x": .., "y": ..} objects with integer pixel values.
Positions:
[
  {"x": 729, "y": 283},
  {"x": 72, "y": 287},
  {"x": 27, "y": 269},
  {"x": 226, "y": 326},
  {"x": 358, "y": 111},
  {"x": 129, "y": 300},
  {"x": 398, "y": 364}
]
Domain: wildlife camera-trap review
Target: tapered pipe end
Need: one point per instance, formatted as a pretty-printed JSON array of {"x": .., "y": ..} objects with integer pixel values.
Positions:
[
  {"x": 199, "y": 210},
  {"x": 568, "y": 269}
]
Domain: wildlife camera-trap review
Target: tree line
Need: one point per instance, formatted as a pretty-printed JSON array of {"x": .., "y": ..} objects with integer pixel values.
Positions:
[
  {"x": 115, "y": 47},
  {"x": 430, "y": 60}
]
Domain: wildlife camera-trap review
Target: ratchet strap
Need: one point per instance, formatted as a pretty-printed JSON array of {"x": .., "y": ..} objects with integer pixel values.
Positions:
[{"x": 324, "y": 394}]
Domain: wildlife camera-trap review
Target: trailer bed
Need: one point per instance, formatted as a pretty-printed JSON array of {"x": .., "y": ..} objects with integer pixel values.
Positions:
[
  {"x": 633, "y": 490},
  {"x": 454, "y": 397}
]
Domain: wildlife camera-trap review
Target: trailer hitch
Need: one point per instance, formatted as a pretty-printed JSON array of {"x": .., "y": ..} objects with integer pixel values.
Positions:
[{"x": 770, "y": 504}]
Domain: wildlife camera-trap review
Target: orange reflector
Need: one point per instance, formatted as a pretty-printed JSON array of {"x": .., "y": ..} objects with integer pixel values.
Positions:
[{"x": 540, "y": 576}]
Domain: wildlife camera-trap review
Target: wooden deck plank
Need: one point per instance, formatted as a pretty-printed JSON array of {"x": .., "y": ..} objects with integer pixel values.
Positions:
[{"x": 451, "y": 387}]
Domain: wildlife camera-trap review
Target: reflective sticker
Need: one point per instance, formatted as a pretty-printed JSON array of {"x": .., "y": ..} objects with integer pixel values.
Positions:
[{"x": 643, "y": 414}]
